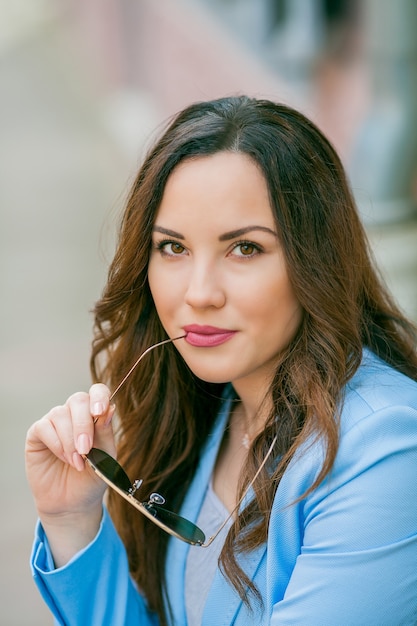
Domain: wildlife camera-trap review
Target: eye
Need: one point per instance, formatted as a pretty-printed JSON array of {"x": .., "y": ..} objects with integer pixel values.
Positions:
[
  {"x": 170, "y": 248},
  {"x": 246, "y": 249}
]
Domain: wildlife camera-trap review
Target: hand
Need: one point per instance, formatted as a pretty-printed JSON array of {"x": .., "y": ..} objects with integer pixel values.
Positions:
[{"x": 68, "y": 495}]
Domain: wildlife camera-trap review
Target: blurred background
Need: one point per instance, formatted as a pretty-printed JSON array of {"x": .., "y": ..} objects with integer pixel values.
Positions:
[{"x": 84, "y": 86}]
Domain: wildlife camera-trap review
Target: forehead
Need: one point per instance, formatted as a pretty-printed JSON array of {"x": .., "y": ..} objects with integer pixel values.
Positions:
[{"x": 226, "y": 185}]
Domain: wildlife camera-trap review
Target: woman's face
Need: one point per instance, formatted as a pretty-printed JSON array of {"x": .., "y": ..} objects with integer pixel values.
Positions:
[{"x": 217, "y": 271}]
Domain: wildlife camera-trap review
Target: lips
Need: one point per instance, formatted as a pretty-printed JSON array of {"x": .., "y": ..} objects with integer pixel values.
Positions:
[{"x": 207, "y": 336}]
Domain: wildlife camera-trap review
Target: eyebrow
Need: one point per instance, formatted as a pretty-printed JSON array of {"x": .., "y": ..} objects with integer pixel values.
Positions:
[
  {"x": 242, "y": 231},
  {"x": 168, "y": 231},
  {"x": 225, "y": 237}
]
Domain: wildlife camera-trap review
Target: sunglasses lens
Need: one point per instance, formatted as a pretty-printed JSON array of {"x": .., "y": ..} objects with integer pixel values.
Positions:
[
  {"x": 181, "y": 527},
  {"x": 109, "y": 468}
]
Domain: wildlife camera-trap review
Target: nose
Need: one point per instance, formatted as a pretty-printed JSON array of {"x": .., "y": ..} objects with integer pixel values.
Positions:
[{"x": 205, "y": 287}]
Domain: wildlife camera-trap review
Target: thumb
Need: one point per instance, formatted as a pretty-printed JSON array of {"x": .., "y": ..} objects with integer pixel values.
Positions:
[{"x": 103, "y": 432}]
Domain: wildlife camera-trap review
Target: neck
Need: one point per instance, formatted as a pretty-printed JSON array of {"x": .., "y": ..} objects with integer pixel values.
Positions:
[
  {"x": 245, "y": 424},
  {"x": 253, "y": 394}
]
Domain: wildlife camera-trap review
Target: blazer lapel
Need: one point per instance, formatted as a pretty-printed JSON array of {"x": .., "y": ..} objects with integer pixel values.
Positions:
[
  {"x": 178, "y": 550},
  {"x": 222, "y": 594}
]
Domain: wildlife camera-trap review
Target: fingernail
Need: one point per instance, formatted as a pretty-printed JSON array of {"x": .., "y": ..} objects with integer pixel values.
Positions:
[
  {"x": 77, "y": 461},
  {"x": 83, "y": 444},
  {"x": 98, "y": 408}
]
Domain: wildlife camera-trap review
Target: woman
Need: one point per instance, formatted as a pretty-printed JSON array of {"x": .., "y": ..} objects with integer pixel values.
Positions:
[{"x": 286, "y": 401}]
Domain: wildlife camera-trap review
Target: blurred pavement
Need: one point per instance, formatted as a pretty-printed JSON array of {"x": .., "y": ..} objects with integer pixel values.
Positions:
[{"x": 62, "y": 180}]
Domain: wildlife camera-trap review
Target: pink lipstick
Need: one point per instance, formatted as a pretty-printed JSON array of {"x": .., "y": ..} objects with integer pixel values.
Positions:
[{"x": 207, "y": 336}]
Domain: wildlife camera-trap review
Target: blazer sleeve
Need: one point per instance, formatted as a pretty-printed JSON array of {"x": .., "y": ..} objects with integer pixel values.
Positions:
[
  {"x": 95, "y": 587},
  {"x": 356, "y": 562}
]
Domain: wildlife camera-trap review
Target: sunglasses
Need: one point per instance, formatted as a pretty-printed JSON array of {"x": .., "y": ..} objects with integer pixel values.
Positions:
[{"x": 112, "y": 473}]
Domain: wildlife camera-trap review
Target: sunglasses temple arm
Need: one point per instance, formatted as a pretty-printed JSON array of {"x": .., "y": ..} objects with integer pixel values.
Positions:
[
  {"x": 226, "y": 521},
  {"x": 122, "y": 382}
]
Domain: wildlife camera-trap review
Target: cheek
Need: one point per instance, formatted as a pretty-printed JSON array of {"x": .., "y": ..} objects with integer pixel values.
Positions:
[
  {"x": 277, "y": 304},
  {"x": 162, "y": 290}
]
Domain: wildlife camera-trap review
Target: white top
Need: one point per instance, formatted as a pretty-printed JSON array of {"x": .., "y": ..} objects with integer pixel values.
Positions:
[{"x": 202, "y": 562}]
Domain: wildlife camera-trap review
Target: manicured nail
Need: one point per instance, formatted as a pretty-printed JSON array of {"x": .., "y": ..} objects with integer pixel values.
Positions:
[
  {"x": 83, "y": 444},
  {"x": 77, "y": 461},
  {"x": 98, "y": 408}
]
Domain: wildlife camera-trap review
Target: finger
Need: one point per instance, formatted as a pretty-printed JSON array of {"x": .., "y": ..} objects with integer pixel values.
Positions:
[
  {"x": 82, "y": 423},
  {"x": 105, "y": 420},
  {"x": 61, "y": 420},
  {"x": 53, "y": 435},
  {"x": 99, "y": 401},
  {"x": 103, "y": 433},
  {"x": 42, "y": 436}
]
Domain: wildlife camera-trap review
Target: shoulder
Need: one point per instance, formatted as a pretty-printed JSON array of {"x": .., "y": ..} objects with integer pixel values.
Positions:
[
  {"x": 378, "y": 396},
  {"x": 377, "y": 385},
  {"x": 378, "y": 432},
  {"x": 369, "y": 497},
  {"x": 378, "y": 435}
]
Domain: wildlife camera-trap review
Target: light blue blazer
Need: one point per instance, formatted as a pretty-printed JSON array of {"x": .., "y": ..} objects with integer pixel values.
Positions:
[{"x": 346, "y": 555}]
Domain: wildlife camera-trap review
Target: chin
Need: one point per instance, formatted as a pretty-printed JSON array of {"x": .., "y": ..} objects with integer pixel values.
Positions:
[{"x": 211, "y": 377}]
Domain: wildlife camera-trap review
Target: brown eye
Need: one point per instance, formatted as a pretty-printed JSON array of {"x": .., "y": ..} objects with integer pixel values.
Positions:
[
  {"x": 170, "y": 248},
  {"x": 246, "y": 249},
  {"x": 176, "y": 248}
]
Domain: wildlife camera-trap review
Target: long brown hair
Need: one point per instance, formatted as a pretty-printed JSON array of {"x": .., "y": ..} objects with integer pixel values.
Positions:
[{"x": 165, "y": 413}]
